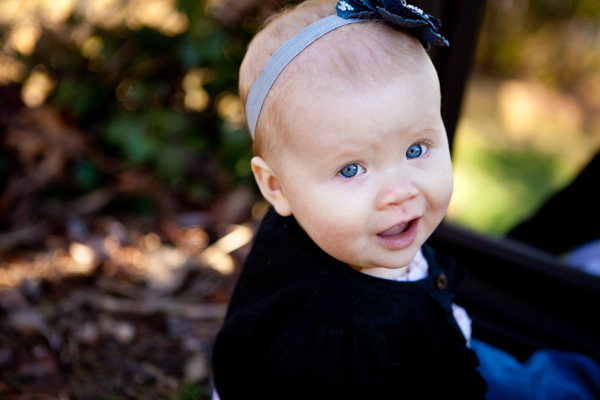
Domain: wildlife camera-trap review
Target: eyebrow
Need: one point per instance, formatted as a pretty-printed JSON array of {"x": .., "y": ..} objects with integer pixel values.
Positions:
[{"x": 351, "y": 153}]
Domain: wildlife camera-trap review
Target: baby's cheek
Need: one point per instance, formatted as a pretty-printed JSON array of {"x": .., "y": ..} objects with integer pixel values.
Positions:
[
  {"x": 447, "y": 197},
  {"x": 340, "y": 239},
  {"x": 331, "y": 221},
  {"x": 442, "y": 196},
  {"x": 440, "y": 191}
]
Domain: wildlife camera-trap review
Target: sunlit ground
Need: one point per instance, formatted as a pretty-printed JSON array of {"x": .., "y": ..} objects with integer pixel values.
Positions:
[{"x": 516, "y": 144}]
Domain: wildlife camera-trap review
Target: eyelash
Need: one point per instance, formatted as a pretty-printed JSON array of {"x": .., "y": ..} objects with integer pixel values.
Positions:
[{"x": 426, "y": 143}]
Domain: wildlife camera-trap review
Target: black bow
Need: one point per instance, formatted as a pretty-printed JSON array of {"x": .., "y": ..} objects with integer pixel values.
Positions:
[{"x": 422, "y": 25}]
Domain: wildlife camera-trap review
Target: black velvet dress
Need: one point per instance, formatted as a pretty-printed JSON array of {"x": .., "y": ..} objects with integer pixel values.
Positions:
[{"x": 303, "y": 325}]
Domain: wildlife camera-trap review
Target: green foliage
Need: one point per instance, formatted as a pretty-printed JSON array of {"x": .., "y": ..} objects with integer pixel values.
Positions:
[
  {"x": 127, "y": 91},
  {"x": 86, "y": 175},
  {"x": 191, "y": 392},
  {"x": 500, "y": 186},
  {"x": 540, "y": 39},
  {"x": 528, "y": 176},
  {"x": 155, "y": 138},
  {"x": 588, "y": 9}
]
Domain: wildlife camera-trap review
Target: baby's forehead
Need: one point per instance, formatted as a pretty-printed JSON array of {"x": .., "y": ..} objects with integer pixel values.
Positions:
[
  {"x": 356, "y": 54},
  {"x": 354, "y": 58},
  {"x": 349, "y": 61}
]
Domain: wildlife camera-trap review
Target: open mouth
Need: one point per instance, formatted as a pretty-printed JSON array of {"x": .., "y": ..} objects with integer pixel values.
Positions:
[
  {"x": 395, "y": 230},
  {"x": 399, "y": 236}
]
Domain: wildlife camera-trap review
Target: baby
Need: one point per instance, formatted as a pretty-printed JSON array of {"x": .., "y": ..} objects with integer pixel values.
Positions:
[{"x": 339, "y": 297}]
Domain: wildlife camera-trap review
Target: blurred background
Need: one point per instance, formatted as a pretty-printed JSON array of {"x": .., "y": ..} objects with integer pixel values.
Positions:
[
  {"x": 530, "y": 120},
  {"x": 127, "y": 203}
]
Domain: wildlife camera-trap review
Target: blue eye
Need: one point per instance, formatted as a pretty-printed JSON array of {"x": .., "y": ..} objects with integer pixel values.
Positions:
[
  {"x": 416, "y": 150},
  {"x": 351, "y": 170}
]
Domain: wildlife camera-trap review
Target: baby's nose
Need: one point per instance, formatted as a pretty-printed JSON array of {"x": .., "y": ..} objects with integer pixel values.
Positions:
[{"x": 396, "y": 191}]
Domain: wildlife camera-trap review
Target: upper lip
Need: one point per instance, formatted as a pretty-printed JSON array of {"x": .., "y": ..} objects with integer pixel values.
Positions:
[{"x": 397, "y": 228}]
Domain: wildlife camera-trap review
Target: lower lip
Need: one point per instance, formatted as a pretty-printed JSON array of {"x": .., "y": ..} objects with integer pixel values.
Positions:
[{"x": 401, "y": 240}]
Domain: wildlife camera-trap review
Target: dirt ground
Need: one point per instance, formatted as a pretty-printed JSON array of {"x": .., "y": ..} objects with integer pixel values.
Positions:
[{"x": 121, "y": 313}]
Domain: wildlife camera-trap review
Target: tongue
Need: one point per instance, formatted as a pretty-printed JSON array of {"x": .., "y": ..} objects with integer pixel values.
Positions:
[{"x": 394, "y": 230}]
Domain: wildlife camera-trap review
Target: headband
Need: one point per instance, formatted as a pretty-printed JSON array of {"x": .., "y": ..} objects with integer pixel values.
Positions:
[{"x": 397, "y": 12}]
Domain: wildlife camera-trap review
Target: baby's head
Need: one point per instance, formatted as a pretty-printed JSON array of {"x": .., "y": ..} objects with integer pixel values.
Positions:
[{"x": 350, "y": 138}]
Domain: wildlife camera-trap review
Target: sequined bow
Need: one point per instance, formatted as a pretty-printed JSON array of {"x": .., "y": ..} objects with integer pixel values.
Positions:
[{"x": 422, "y": 25}]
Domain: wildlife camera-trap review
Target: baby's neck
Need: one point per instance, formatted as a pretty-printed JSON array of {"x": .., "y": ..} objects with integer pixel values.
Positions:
[
  {"x": 383, "y": 273},
  {"x": 417, "y": 269}
]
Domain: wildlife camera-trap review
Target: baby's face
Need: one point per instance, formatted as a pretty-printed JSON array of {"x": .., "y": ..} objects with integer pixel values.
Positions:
[{"x": 369, "y": 176}]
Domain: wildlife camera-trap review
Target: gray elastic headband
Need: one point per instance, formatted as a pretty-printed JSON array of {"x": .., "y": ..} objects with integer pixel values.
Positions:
[{"x": 281, "y": 58}]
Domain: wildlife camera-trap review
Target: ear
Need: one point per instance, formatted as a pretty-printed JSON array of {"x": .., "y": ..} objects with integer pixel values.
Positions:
[{"x": 270, "y": 186}]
